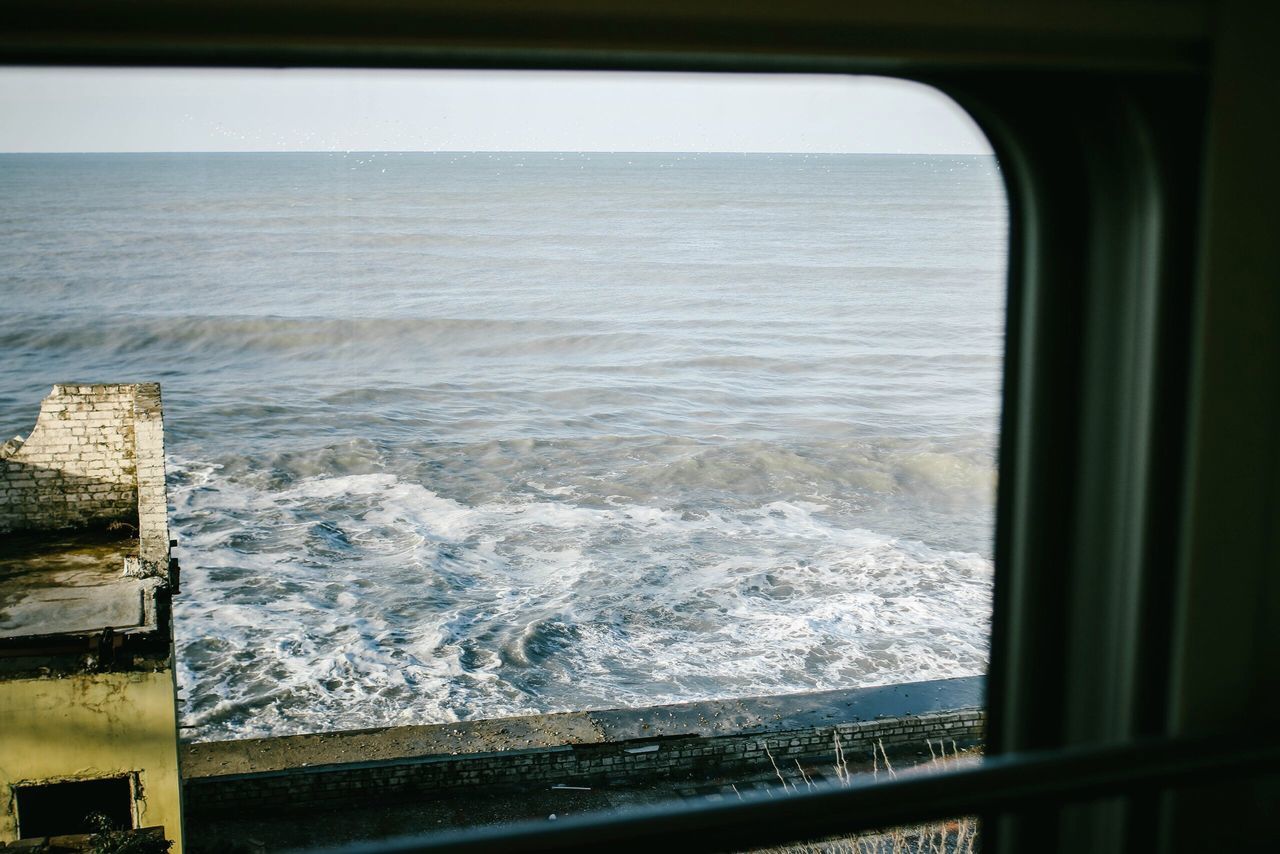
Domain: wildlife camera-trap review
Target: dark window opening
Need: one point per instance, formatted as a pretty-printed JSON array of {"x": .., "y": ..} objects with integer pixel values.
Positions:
[{"x": 60, "y": 809}]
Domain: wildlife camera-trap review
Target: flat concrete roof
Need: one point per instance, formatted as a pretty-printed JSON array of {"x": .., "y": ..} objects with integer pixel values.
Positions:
[{"x": 69, "y": 583}]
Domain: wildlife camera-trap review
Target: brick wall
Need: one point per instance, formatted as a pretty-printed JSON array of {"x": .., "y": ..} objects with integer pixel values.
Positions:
[
  {"x": 153, "y": 497},
  {"x": 95, "y": 456}
]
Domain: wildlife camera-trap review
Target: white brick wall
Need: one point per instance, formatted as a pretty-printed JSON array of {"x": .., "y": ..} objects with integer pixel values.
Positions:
[
  {"x": 153, "y": 500},
  {"x": 95, "y": 456}
]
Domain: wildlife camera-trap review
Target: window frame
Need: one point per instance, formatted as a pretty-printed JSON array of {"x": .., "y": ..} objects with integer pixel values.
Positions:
[{"x": 1136, "y": 140}]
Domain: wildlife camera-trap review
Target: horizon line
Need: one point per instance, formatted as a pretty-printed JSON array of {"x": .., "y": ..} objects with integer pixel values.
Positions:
[{"x": 510, "y": 151}]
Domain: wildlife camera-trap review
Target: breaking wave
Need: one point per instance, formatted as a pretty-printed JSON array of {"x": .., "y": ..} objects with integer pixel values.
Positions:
[{"x": 373, "y": 600}]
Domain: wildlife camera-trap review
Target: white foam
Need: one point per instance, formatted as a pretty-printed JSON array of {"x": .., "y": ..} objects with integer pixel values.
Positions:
[{"x": 412, "y": 607}]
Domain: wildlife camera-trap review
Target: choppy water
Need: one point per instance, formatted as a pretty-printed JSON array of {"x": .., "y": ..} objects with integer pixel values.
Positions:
[{"x": 456, "y": 436}]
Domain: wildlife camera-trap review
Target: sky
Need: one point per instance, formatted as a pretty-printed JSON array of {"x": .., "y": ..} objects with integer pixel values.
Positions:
[{"x": 113, "y": 110}]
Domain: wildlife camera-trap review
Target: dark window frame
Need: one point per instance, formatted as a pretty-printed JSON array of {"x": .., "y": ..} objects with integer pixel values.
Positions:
[{"x": 1136, "y": 555}]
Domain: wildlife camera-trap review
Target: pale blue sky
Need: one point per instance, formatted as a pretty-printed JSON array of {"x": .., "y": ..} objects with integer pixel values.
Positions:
[{"x": 368, "y": 110}]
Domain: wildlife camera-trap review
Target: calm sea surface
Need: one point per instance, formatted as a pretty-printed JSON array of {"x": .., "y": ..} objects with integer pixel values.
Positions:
[{"x": 457, "y": 436}]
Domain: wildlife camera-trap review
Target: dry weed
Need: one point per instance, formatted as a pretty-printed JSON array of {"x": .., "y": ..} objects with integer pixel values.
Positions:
[{"x": 957, "y": 836}]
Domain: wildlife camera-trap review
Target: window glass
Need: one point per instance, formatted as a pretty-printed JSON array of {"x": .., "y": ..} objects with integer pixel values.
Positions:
[{"x": 492, "y": 395}]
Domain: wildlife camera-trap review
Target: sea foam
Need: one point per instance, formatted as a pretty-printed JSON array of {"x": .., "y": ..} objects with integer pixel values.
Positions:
[{"x": 371, "y": 600}]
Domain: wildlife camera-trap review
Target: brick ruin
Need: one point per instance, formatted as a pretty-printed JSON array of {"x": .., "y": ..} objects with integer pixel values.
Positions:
[
  {"x": 95, "y": 458},
  {"x": 88, "y": 722}
]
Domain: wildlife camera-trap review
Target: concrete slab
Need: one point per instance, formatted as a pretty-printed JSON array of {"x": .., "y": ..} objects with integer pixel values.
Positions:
[
  {"x": 73, "y": 583},
  {"x": 791, "y": 711},
  {"x": 252, "y": 755}
]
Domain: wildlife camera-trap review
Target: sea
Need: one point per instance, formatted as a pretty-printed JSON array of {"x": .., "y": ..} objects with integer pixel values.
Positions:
[{"x": 468, "y": 435}]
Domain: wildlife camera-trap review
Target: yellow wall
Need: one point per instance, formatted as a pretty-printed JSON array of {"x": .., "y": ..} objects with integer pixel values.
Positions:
[{"x": 93, "y": 725}]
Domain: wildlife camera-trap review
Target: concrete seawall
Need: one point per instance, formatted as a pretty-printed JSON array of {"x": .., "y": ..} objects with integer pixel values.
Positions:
[{"x": 617, "y": 747}]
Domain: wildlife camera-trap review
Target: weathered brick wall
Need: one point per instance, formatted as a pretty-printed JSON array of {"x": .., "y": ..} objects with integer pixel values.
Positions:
[
  {"x": 620, "y": 763},
  {"x": 153, "y": 498},
  {"x": 95, "y": 456},
  {"x": 77, "y": 466}
]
